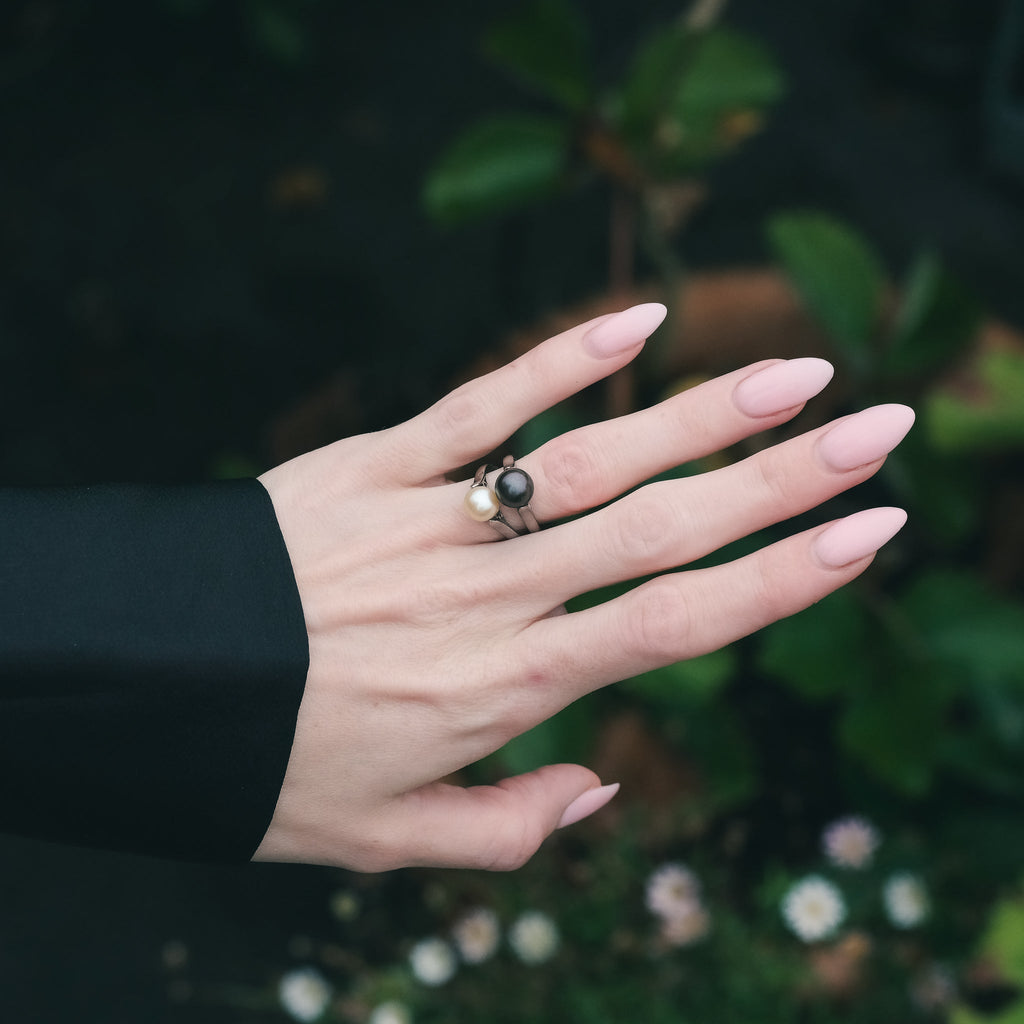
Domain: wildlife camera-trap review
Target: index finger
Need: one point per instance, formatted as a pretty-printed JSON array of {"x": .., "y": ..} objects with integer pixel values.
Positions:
[{"x": 481, "y": 414}]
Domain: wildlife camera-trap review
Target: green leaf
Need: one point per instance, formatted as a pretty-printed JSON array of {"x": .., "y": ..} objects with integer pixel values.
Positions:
[
  {"x": 937, "y": 319},
  {"x": 822, "y": 651},
  {"x": 691, "y": 96},
  {"x": 495, "y": 166},
  {"x": 837, "y": 274},
  {"x": 895, "y": 725},
  {"x": 653, "y": 80},
  {"x": 964, "y": 627},
  {"x": 973, "y": 757},
  {"x": 686, "y": 683},
  {"x": 1003, "y": 941},
  {"x": 985, "y": 415},
  {"x": 947, "y": 493},
  {"x": 729, "y": 72},
  {"x": 545, "y": 45}
]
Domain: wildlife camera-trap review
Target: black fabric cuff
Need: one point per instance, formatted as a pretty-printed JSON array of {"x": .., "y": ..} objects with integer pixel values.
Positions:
[{"x": 153, "y": 655}]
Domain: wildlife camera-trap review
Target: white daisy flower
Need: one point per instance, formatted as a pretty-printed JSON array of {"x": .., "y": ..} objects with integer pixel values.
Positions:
[
  {"x": 304, "y": 993},
  {"x": 813, "y": 908},
  {"x": 477, "y": 935},
  {"x": 391, "y": 1012},
  {"x": 684, "y": 929},
  {"x": 672, "y": 890},
  {"x": 433, "y": 961},
  {"x": 906, "y": 900},
  {"x": 534, "y": 937},
  {"x": 850, "y": 842}
]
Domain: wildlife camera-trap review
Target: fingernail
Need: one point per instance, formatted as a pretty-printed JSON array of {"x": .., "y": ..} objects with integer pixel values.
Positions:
[
  {"x": 782, "y": 386},
  {"x": 865, "y": 436},
  {"x": 623, "y": 331},
  {"x": 857, "y": 536},
  {"x": 587, "y": 803}
]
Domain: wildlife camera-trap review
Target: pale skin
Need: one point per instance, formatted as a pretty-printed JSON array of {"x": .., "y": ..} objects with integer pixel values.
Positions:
[{"x": 433, "y": 641}]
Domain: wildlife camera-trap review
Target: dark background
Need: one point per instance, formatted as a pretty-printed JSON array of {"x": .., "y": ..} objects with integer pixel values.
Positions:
[{"x": 196, "y": 235}]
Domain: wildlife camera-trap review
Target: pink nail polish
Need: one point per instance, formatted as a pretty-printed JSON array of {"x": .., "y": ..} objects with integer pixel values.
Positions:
[
  {"x": 857, "y": 536},
  {"x": 865, "y": 436},
  {"x": 587, "y": 803},
  {"x": 624, "y": 330},
  {"x": 782, "y": 386}
]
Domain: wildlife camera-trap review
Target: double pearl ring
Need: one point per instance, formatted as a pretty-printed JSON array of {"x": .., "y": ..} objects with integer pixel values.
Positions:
[{"x": 506, "y": 504}]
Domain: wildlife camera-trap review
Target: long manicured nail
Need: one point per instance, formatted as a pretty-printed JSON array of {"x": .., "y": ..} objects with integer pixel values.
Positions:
[
  {"x": 624, "y": 330},
  {"x": 782, "y": 386},
  {"x": 857, "y": 536},
  {"x": 587, "y": 803},
  {"x": 865, "y": 436}
]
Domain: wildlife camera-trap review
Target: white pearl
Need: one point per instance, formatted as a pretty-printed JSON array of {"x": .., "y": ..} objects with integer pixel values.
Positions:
[{"x": 481, "y": 504}]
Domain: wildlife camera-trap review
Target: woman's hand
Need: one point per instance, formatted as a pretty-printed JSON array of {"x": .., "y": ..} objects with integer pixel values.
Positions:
[{"x": 433, "y": 641}]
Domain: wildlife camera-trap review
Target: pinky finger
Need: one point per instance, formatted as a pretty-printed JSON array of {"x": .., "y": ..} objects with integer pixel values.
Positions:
[{"x": 683, "y": 615}]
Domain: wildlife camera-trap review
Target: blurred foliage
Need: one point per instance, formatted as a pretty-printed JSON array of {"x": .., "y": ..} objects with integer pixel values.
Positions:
[
  {"x": 926, "y": 678},
  {"x": 691, "y": 95},
  {"x": 693, "y": 91}
]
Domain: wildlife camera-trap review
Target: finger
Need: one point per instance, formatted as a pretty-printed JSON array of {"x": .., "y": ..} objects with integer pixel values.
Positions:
[
  {"x": 672, "y": 523},
  {"x": 497, "y": 828},
  {"x": 683, "y": 615},
  {"x": 483, "y": 413},
  {"x": 591, "y": 465}
]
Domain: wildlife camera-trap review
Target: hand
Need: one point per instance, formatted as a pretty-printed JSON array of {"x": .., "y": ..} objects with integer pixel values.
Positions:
[{"x": 433, "y": 641}]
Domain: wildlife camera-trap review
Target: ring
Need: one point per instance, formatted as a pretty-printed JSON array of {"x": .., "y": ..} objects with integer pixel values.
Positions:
[{"x": 506, "y": 504}]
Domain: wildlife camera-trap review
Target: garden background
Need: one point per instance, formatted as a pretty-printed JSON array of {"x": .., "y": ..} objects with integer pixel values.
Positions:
[{"x": 230, "y": 231}]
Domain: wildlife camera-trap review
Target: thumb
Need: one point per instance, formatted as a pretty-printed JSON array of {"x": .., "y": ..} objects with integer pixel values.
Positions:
[{"x": 500, "y": 827}]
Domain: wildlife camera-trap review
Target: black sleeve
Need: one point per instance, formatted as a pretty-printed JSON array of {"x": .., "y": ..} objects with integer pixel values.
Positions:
[{"x": 153, "y": 655}]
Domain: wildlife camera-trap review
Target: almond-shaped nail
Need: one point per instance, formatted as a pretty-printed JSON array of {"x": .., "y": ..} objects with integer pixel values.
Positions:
[
  {"x": 857, "y": 536},
  {"x": 865, "y": 436},
  {"x": 587, "y": 803},
  {"x": 782, "y": 386},
  {"x": 623, "y": 331}
]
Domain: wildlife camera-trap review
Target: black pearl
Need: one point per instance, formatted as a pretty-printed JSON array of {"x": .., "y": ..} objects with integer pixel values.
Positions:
[{"x": 514, "y": 488}]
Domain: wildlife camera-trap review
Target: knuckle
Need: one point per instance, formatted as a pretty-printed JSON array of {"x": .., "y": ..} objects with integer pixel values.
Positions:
[
  {"x": 661, "y": 627},
  {"x": 766, "y": 588},
  {"x": 570, "y": 475},
  {"x": 460, "y": 411},
  {"x": 528, "y": 371},
  {"x": 695, "y": 420},
  {"x": 646, "y": 527},
  {"x": 513, "y": 844},
  {"x": 771, "y": 479}
]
